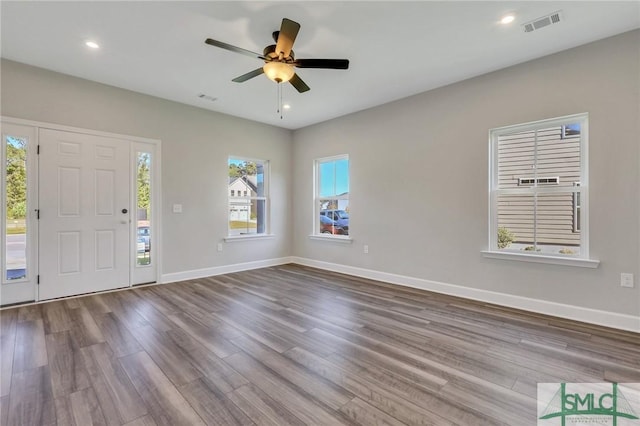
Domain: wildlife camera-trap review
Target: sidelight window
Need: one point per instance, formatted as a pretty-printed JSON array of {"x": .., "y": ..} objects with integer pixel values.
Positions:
[{"x": 15, "y": 207}]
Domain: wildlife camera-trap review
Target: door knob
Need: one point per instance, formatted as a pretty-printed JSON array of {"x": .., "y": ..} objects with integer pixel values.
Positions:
[{"x": 125, "y": 211}]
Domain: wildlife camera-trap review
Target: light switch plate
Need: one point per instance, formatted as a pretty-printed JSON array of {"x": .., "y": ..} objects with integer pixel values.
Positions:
[
  {"x": 177, "y": 208},
  {"x": 626, "y": 280}
]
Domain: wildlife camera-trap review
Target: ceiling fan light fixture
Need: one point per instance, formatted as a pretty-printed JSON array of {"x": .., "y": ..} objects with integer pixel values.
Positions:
[{"x": 279, "y": 72}]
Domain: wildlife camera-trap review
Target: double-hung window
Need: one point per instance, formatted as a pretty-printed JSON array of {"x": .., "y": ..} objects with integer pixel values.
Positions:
[
  {"x": 248, "y": 196},
  {"x": 539, "y": 188},
  {"x": 331, "y": 206}
]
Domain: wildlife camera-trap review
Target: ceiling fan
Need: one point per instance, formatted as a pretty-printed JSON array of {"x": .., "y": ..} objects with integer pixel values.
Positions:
[{"x": 279, "y": 60}]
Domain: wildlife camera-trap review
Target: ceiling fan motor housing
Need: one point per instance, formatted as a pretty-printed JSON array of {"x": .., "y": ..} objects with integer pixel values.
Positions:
[
  {"x": 279, "y": 60},
  {"x": 270, "y": 53}
]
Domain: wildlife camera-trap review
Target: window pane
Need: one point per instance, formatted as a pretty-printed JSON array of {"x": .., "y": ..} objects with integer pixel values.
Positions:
[
  {"x": 547, "y": 157},
  {"x": 327, "y": 179},
  {"x": 247, "y": 216},
  {"x": 143, "y": 184},
  {"x": 333, "y": 178},
  {"x": 246, "y": 177},
  {"x": 259, "y": 178},
  {"x": 572, "y": 130},
  {"x": 540, "y": 169},
  {"x": 554, "y": 224},
  {"x": 334, "y": 217},
  {"x": 558, "y": 157},
  {"x": 516, "y": 222},
  {"x": 342, "y": 177},
  {"x": 247, "y": 183},
  {"x": 16, "y": 207},
  {"x": 332, "y": 197},
  {"x": 516, "y": 159},
  {"x": 542, "y": 223}
]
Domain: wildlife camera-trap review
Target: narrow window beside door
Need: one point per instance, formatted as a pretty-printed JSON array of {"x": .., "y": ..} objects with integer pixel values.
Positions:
[
  {"x": 143, "y": 208},
  {"x": 16, "y": 208}
]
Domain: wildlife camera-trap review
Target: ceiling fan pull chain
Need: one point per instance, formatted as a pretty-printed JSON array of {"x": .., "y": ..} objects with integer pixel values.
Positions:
[{"x": 280, "y": 108}]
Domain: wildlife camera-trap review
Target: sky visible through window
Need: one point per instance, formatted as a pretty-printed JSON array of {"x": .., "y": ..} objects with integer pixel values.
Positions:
[{"x": 334, "y": 178}]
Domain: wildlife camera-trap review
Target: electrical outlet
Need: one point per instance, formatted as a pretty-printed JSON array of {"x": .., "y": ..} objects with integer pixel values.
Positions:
[
  {"x": 626, "y": 280},
  {"x": 219, "y": 246},
  {"x": 366, "y": 249},
  {"x": 177, "y": 208}
]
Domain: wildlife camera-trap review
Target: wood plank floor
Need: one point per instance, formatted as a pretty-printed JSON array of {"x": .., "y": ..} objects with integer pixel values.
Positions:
[{"x": 291, "y": 345}]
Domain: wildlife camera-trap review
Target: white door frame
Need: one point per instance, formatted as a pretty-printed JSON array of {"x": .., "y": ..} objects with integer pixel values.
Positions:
[{"x": 156, "y": 211}]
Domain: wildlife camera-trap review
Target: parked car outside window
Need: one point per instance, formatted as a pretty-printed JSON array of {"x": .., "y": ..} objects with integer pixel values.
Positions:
[
  {"x": 144, "y": 238},
  {"x": 330, "y": 226},
  {"x": 340, "y": 216}
]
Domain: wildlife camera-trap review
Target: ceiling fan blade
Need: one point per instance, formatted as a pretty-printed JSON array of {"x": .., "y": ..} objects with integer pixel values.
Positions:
[
  {"x": 288, "y": 33},
  {"x": 247, "y": 76},
  {"x": 236, "y": 49},
  {"x": 335, "y": 64},
  {"x": 300, "y": 85}
]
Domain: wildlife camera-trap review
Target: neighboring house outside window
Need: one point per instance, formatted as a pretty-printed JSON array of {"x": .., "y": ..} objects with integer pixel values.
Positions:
[
  {"x": 331, "y": 206},
  {"x": 538, "y": 188},
  {"x": 248, "y": 213}
]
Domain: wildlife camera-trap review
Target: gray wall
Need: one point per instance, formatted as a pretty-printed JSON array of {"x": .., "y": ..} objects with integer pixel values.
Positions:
[
  {"x": 195, "y": 146},
  {"x": 419, "y": 177},
  {"x": 419, "y": 174}
]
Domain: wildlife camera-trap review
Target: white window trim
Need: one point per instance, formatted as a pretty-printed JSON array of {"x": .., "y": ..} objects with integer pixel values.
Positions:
[
  {"x": 316, "y": 235},
  {"x": 341, "y": 239},
  {"x": 267, "y": 201},
  {"x": 583, "y": 260},
  {"x": 236, "y": 238},
  {"x": 541, "y": 258}
]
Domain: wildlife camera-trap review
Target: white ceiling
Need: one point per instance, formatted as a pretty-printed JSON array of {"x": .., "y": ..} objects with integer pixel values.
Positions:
[{"x": 396, "y": 49}]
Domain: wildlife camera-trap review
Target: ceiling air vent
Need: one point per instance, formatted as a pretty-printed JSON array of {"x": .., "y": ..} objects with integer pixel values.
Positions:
[{"x": 545, "y": 21}]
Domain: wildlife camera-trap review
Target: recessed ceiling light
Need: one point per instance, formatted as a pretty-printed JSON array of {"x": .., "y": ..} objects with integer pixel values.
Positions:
[
  {"x": 507, "y": 19},
  {"x": 286, "y": 106},
  {"x": 92, "y": 44}
]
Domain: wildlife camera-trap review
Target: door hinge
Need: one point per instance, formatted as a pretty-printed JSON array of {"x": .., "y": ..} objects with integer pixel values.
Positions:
[
  {"x": 38, "y": 214},
  {"x": 38, "y": 150},
  {"x": 38, "y": 280}
]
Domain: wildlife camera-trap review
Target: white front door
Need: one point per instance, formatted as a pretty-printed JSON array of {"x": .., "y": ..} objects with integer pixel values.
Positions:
[{"x": 84, "y": 226}]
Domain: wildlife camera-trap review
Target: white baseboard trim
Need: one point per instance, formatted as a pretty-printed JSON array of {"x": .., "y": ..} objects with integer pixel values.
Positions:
[
  {"x": 577, "y": 313},
  {"x": 225, "y": 269}
]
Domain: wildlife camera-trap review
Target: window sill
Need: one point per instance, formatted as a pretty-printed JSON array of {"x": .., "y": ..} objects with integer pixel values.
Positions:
[
  {"x": 237, "y": 238},
  {"x": 333, "y": 238},
  {"x": 537, "y": 258}
]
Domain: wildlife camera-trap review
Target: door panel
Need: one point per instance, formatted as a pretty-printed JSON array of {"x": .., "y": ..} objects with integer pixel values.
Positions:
[
  {"x": 84, "y": 218},
  {"x": 69, "y": 191},
  {"x": 68, "y": 253}
]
